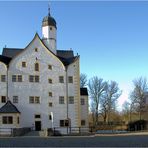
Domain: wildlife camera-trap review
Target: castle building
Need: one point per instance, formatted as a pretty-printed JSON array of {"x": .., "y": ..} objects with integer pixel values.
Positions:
[{"x": 40, "y": 85}]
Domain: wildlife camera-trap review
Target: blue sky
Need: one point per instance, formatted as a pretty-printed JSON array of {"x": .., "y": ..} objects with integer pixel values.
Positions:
[{"x": 111, "y": 37}]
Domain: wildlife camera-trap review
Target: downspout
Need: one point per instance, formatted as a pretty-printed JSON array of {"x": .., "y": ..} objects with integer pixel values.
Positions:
[
  {"x": 7, "y": 84},
  {"x": 67, "y": 96}
]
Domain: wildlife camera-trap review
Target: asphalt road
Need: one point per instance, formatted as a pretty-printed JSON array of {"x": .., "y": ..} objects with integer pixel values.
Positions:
[{"x": 97, "y": 141}]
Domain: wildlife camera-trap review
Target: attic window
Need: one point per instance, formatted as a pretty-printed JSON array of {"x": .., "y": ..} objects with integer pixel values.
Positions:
[{"x": 36, "y": 50}]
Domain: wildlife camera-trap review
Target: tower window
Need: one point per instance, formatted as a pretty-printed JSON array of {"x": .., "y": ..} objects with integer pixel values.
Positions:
[
  {"x": 50, "y": 104},
  {"x": 50, "y": 28}
]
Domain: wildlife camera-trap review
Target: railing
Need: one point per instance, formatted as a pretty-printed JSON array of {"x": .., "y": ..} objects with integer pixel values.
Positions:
[{"x": 6, "y": 131}]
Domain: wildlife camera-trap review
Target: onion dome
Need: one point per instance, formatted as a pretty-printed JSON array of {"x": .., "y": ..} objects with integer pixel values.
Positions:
[{"x": 49, "y": 20}]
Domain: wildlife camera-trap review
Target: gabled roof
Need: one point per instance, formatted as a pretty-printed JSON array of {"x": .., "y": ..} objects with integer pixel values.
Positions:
[
  {"x": 9, "y": 108},
  {"x": 83, "y": 91}
]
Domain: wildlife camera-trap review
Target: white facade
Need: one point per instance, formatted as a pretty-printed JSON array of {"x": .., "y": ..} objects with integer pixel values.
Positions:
[{"x": 45, "y": 110}]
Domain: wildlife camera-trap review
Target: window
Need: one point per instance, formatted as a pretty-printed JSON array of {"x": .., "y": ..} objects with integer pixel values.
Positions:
[
  {"x": 70, "y": 79},
  {"x": 31, "y": 99},
  {"x": 3, "y": 99},
  {"x": 14, "y": 78},
  {"x": 71, "y": 100},
  {"x": 82, "y": 122},
  {"x": 37, "y": 100},
  {"x": 64, "y": 123},
  {"x": 36, "y": 49},
  {"x": 3, "y": 78},
  {"x": 7, "y": 120},
  {"x": 18, "y": 120},
  {"x": 50, "y": 104},
  {"x": 23, "y": 64},
  {"x": 36, "y": 66},
  {"x": 34, "y": 99},
  {"x": 50, "y": 117},
  {"x": 50, "y": 81},
  {"x": 82, "y": 101},
  {"x": 50, "y": 28},
  {"x": 37, "y": 116},
  {"x": 61, "y": 100},
  {"x": 34, "y": 78},
  {"x": 17, "y": 78},
  {"x": 15, "y": 99},
  {"x": 50, "y": 67},
  {"x": 50, "y": 94},
  {"x": 61, "y": 79}
]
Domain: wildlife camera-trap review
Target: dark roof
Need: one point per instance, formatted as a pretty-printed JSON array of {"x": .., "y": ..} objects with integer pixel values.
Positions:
[
  {"x": 5, "y": 59},
  {"x": 11, "y": 52},
  {"x": 66, "y": 56},
  {"x": 65, "y": 53},
  {"x": 49, "y": 21},
  {"x": 83, "y": 91},
  {"x": 9, "y": 108}
]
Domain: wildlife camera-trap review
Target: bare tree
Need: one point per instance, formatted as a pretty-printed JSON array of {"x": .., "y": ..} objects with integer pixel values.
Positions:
[
  {"x": 83, "y": 80},
  {"x": 96, "y": 89},
  {"x": 109, "y": 99},
  {"x": 138, "y": 94},
  {"x": 127, "y": 110}
]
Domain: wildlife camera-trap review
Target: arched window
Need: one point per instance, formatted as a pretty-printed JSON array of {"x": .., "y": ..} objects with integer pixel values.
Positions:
[{"x": 36, "y": 66}]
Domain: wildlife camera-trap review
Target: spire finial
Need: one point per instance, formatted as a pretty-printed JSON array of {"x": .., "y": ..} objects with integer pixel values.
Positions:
[{"x": 48, "y": 9}]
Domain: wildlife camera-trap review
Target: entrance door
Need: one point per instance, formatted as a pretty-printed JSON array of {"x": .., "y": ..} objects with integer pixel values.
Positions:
[{"x": 37, "y": 125}]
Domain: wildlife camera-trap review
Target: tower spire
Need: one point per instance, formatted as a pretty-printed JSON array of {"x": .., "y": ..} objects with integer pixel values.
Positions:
[{"x": 48, "y": 9}]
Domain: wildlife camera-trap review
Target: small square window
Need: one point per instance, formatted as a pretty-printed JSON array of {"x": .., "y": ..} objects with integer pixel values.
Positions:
[
  {"x": 71, "y": 100},
  {"x": 15, "y": 99},
  {"x": 82, "y": 122},
  {"x": 61, "y": 79},
  {"x": 13, "y": 78},
  {"x": 50, "y": 67},
  {"x": 19, "y": 78},
  {"x": 3, "y": 78},
  {"x": 31, "y": 99},
  {"x": 50, "y": 81},
  {"x": 23, "y": 64},
  {"x": 50, "y": 104},
  {"x": 50, "y": 94},
  {"x": 3, "y": 99},
  {"x": 37, "y": 78},
  {"x": 61, "y": 100},
  {"x": 70, "y": 79},
  {"x": 36, "y": 49},
  {"x": 37, "y": 100}
]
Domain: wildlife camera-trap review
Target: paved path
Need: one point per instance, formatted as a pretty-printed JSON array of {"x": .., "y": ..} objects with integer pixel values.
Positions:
[{"x": 88, "y": 141}]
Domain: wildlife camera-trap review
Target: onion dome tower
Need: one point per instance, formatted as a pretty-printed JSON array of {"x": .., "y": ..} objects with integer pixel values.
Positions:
[{"x": 49, "y": 31}]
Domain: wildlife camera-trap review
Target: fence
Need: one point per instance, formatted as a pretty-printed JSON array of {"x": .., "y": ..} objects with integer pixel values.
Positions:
[{"x": 14, "y": 131}]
